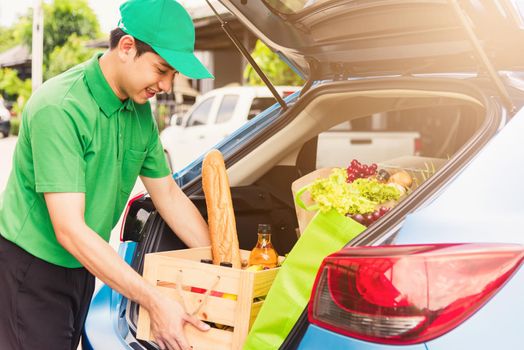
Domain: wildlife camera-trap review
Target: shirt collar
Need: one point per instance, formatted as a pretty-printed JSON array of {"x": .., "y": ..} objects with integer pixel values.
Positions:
[{"x": 101, "y": 91}]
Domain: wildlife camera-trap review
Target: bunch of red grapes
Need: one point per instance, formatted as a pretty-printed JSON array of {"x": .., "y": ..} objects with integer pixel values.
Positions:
[
  {"x": 356, "y": 170},
  {"x": 369, "y": 218}
]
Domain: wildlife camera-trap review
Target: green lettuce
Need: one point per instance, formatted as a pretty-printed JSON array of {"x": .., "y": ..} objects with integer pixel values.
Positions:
[{"x": 359, "y": 197}]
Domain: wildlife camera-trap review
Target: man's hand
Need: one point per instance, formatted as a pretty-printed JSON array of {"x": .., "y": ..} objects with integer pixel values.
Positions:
[
  {"x": 167, "y": 316},
  {"x": 178, "y": 211},
  {"x": 167, "y": 323}
]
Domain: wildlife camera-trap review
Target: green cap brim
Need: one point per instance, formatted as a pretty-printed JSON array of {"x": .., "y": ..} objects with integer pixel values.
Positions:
[{"x": 184, "y": 62}]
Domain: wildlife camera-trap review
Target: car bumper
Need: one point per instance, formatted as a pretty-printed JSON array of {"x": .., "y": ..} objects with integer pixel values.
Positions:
[
  {"x": 5, "y": 125},
  {"x": 106, "y": 324}
]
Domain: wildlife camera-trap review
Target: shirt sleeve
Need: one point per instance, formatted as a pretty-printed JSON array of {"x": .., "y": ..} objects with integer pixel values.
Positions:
[
  {"x": 58, "y": 156},
  {"x": 155, "y": 165}
]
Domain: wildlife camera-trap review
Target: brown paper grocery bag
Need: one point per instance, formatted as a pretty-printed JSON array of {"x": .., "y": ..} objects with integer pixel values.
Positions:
[{"x": 304, "y": 216}]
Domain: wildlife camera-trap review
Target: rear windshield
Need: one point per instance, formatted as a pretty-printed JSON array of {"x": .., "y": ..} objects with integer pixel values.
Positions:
[{"x": 260, "y": 104}]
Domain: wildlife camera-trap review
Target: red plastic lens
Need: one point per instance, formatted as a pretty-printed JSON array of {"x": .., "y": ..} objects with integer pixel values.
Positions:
[
  {"x": 124, "y": 217},
  {"x": 408, "y": 294}
]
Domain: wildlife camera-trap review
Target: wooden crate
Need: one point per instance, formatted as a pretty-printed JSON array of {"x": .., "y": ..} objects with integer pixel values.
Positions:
[{"x": 165, "y": 269}]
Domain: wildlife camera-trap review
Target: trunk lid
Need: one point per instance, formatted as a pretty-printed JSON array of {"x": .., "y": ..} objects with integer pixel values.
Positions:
[{"x": 336, "y": 39}]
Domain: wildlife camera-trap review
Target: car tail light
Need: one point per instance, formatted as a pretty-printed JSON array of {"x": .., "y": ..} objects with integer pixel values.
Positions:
[
  {"x": 418, "y": 146},
  {"x": 124, "y": 218},
  {"x": 408, "y": 294}
]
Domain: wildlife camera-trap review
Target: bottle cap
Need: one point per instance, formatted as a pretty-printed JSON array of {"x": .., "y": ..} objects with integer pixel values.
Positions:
[
  {"x": 264, "y": 228},
  {"x": 226, "y": 264},
  {"x": 383, "y": 175}
]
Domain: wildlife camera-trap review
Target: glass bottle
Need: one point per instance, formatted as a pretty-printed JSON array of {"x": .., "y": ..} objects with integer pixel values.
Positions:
[{"x": 264, "y": 254}]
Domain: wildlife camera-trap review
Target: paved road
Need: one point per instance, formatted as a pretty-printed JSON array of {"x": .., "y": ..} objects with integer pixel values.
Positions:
[{"x": 7, "y": 147}]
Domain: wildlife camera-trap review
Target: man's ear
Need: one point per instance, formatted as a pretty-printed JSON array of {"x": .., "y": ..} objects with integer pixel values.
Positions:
[{"x": 126, "y": 47}]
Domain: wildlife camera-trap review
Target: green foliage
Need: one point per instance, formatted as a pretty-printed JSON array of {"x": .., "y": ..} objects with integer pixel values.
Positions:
[
  {"x": 15, "y": 126},
  {"x": 7, "y": 38},
  {"x": 12, "y": 85},
  {"x": 70, "y": 54},
  {"x": 161, "y": 116},
  {"x": 62, "y": 18},
  {"x": 277, "y": 71}
]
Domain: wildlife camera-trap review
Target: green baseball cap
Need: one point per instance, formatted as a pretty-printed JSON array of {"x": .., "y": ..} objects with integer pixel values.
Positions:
[{"x": 167, "y": 27}]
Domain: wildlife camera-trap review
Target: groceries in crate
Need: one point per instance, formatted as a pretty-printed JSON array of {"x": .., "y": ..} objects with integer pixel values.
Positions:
[
  {"x": 226, "y": 298},
  {"x": 221, "y": 217},
  {"x": 264, "y": 254},
  {"x": 361, "y": 192}
]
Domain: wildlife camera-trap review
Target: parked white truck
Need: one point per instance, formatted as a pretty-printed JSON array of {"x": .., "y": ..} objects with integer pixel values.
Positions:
[{"x": 339, "y": 145}]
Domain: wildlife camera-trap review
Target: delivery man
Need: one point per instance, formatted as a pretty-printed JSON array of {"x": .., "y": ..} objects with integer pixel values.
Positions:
[{"x": 85, "y": 137}]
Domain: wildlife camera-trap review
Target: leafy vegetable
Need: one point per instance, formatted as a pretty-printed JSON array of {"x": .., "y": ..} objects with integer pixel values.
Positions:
[{"x": 358, "y": 197}]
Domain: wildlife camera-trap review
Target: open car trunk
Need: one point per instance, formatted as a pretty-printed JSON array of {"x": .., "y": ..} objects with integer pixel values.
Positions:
[{"x": 453, "y": 119}]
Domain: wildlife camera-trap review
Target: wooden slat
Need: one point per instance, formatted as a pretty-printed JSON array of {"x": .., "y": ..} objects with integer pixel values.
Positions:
[
  {"x": 197, "y": 274},
  {"x": 243, "y": 309},
  {"x": 215, "y": 339},
  {"x": 143, "y": 328},
  {"x": 194, "y": 254},
  {"x": 263, "y": 281},
  {"x": 216, "y": 310}
]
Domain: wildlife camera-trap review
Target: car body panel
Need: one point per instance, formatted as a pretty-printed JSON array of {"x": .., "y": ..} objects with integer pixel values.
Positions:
[
  {"x": 105, "y": 328},
  {"x": 319, "y": 338},
  {"x": 363, "y": 38},
  {"x": 484, "y": 198},
  {"x": 496, "y": 325}
]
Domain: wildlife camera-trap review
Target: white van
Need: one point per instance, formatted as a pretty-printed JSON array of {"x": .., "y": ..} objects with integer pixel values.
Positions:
[{"x": 214, "y": 116}]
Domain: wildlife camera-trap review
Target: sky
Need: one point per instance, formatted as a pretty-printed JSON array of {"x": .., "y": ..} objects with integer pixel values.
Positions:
[{"x": 106, "y": 11}]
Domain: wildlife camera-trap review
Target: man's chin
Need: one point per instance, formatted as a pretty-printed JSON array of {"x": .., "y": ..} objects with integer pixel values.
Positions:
[{"x": 139, "y": 99}]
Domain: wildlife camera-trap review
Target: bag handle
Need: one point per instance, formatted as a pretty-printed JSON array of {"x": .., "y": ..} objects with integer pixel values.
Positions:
[
  {"x": 300, "y": 202},
  {"x": 204, "y": 297}
]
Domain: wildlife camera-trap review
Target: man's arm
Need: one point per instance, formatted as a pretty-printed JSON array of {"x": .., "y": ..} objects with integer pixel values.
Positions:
[
  {"x": 167, "y": 317},
  {"x": 178, "y": 211}
]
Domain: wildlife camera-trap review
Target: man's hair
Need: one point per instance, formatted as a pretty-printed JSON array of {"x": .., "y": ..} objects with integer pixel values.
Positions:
[{"x": 117, "y": 34}]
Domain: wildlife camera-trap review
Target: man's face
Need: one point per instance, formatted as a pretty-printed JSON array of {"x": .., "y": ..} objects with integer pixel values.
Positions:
[{"x": 145, "y": 76}]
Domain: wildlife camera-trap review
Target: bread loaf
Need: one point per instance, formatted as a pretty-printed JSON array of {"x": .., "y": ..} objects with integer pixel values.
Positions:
[{"x": 221, "y": 217}]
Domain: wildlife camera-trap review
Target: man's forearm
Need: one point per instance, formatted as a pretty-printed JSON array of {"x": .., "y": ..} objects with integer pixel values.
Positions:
[
  {"x": 182, "y": 216},
  {"x": 103, "y": 262}
]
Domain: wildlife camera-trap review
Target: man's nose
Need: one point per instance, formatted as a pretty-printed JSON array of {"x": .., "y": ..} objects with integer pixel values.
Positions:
[{"x": 166, "y": 83}]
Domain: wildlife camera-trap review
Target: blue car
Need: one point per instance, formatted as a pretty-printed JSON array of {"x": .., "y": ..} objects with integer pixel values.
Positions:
[{"x": 443, "y": 268}]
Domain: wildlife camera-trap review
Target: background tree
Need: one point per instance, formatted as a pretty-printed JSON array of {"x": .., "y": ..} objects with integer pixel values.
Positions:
[
  {"x": 7, "y": 38},
  {"x": 277, "y": 71},
  {"x": 70, "y": 54},
  {"x": 16, "y": 89},
  {"x": 68, "y": 24},
  {"x": 62, "y": 18}
]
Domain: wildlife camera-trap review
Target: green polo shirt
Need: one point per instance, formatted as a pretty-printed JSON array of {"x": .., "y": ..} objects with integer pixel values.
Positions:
[{"x": 77, "y": 136}]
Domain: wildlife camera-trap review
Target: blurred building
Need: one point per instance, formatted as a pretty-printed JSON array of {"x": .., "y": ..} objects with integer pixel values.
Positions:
[{"x": 19, "y": 59}]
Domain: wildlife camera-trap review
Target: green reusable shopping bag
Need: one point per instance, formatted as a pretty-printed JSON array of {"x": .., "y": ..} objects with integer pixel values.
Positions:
[{"x": 325, "y": 234}]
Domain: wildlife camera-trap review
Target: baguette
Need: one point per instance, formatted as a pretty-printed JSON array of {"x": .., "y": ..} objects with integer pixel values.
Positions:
[{"x": 221, "y": 217}]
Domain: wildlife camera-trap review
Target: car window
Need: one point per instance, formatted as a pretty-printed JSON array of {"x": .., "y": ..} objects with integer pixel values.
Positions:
[
  {"x": 436, "y": 133},
  {"x": 227, "y": 107},
  {"x": 259, "y": 104},
  {"x": 201, "y": 114}
]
